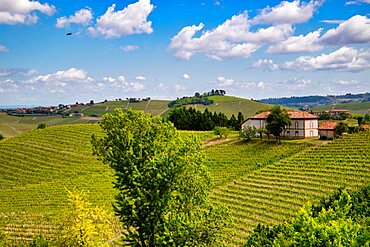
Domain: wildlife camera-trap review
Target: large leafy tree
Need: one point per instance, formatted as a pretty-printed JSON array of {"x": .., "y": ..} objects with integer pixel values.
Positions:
[
  {"x": 161, "y": 181},
  {"x": 276, "y": 122}
]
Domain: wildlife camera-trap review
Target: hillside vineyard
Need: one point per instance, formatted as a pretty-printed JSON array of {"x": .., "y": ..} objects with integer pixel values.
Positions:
[{"x": 259, "y": 182}]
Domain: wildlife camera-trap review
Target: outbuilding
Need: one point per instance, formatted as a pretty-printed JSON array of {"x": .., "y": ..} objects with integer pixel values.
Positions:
[{"x": 327, "y": 129}]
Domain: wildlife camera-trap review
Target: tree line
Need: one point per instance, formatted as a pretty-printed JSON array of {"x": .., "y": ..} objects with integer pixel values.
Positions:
[{"x": 191, "y": 119}]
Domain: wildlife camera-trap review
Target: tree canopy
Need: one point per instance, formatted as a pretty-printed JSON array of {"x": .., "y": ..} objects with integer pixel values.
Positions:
[
  {"x": 276, "y": 121},
  {"x": 161, "y": 181}
]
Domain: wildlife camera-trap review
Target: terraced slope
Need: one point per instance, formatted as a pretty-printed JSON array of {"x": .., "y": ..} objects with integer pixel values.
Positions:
[
  {"x": 272, "y": 194},
  {"x": 357, "y": 108}
]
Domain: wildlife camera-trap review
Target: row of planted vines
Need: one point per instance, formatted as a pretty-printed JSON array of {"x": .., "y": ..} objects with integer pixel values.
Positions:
[{"x": 272, "y": 194}]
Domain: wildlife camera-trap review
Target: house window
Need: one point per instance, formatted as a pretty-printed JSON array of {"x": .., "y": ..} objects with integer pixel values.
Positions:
[
  {"x": 288, "y": 133},
  {"x": 296, "y": 133},
  {"x": 311, "y": 133},
  {"x": 296, "y": 125},
  {"x": 311, "y": 125}
]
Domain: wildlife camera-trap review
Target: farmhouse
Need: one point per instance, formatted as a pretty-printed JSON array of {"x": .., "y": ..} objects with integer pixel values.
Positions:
[
  {"x": 336, "y": 113},
  {"x": 327, "y": 129},
  {"x": 304, "y": 124}
]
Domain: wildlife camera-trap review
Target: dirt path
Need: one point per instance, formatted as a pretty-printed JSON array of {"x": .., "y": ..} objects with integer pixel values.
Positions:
[{"x": 217, "y": 140}]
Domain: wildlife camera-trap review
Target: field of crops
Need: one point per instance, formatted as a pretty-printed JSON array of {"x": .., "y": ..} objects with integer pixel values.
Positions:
[
  {"x": 268, "y": 181},
  {"x": 14, "y": 125},
  {"x": 272, "y": 194}
]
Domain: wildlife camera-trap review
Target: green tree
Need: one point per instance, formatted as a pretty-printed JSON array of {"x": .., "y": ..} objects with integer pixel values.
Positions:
[
  {"x": 248, "y": 132},
  {"x": 341, "y": 128},
  {"x": 223, "y": 132},
  {"x": 324, "y": 116},
  {"x": 276, "y": 121},
  {"x": 261, "y": 131},
  {"x": 42, "y": 126},
  {"x": 84, "y": 225},
  {"x": 161, "y": 181}
]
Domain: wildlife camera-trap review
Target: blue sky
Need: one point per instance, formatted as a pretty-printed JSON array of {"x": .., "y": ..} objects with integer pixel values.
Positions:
[{"x": 167, "y": 49}]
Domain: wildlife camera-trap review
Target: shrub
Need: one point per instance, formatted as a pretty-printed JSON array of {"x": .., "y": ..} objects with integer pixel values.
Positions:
[
  {"x": 247, "y": 133},
  {"x": 2, "y": 137},
  {"x": 42, "y": 126},
  {"x": 223, "y": 132}
]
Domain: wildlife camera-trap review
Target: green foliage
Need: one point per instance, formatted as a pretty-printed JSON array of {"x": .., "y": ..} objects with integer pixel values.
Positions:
[
  {"x": 340, "y": 220},
  {"x": 42, "y": 126},
  {"x": 84, "y": 225},
  {"x": 161, "y": 181},
  {"x": 248, "y": 132},
  {"x": 222, "y": 132},
  {"x": 276, "y": 121},
  {"x": 2, "y": 137},
  {"x": 191, "y": 119},
  {"x": 196, "y": 99},
  {"x": 341, "y": 128},
  {"x": 39, "y": 241},
  {"x": 324, "y": 116},
  {"x": 3, "y": 239}
]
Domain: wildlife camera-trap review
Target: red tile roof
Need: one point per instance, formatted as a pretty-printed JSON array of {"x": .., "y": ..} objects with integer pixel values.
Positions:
[
  {"x": 328, "y": 125},
  {"x": 292, "y": 115}
]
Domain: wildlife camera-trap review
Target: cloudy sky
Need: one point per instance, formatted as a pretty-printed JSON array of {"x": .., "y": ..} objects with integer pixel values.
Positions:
[{"x": 166, "y": 49}]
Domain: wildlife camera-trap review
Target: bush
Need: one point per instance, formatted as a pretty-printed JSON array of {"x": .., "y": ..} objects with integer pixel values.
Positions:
[
  {"x": 247, "y": 133},
  {"x": 42, "y": 126},
  {"x": 223, "y": 132},
  {"x": 2, "y": 137}
]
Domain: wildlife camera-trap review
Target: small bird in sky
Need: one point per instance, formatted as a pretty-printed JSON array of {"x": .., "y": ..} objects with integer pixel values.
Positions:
[{"x": 68, "y": 34}]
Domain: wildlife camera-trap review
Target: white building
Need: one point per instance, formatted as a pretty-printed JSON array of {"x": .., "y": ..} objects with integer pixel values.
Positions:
[{"x": 303, "y": 124}]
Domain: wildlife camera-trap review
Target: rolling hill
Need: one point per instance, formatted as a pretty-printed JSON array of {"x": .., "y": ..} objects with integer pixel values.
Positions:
[
  {"x": 260, "y": 182},
  {"x": 356, "y": 108},
  {"x": 226, "y": 104}
]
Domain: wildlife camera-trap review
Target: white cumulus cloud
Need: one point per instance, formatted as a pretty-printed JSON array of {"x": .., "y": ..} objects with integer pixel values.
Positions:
[
  {"x": 295, "y": 44},
  {"x": 224, "y": 82},
  {"x": 185, "y": 76},
  {"x": 128, "y": 21},
  {"x": 70, "y": 75},
  {"x": 231, "y": 39},
  {"x": 121, "y": 83},
  {"x": 83, "y": 17},
  {"x": 288, "y": 12},
  {"x": 22, "y": 11},
  {"x": 343, "y": 59},
  {"x": 353, "y": 31},
  {"x": 266, "y": 64}
]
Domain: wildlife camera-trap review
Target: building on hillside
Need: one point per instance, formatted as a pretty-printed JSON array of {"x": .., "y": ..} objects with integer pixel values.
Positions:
[
  {"x": 336, "y": 113},
  {"x": 303, "y": 125},
  {"x": 327, "y": 129}
]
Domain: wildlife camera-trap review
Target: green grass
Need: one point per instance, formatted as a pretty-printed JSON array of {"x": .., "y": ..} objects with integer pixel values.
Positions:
[
  {"x": 260, "y": 182},
  {"x": 356, "y": 108},
  {"x": 154, "y": 107}
]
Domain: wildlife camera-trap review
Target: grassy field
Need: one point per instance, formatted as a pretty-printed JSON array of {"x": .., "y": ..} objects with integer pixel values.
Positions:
[
  {"x": 260, "y": 182},
  {"x": 232, "y": 105},
  {"x": 356, "y": 108},
  {"x": 14, "y": 125},
  {"x": 154, "y": 107}
]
